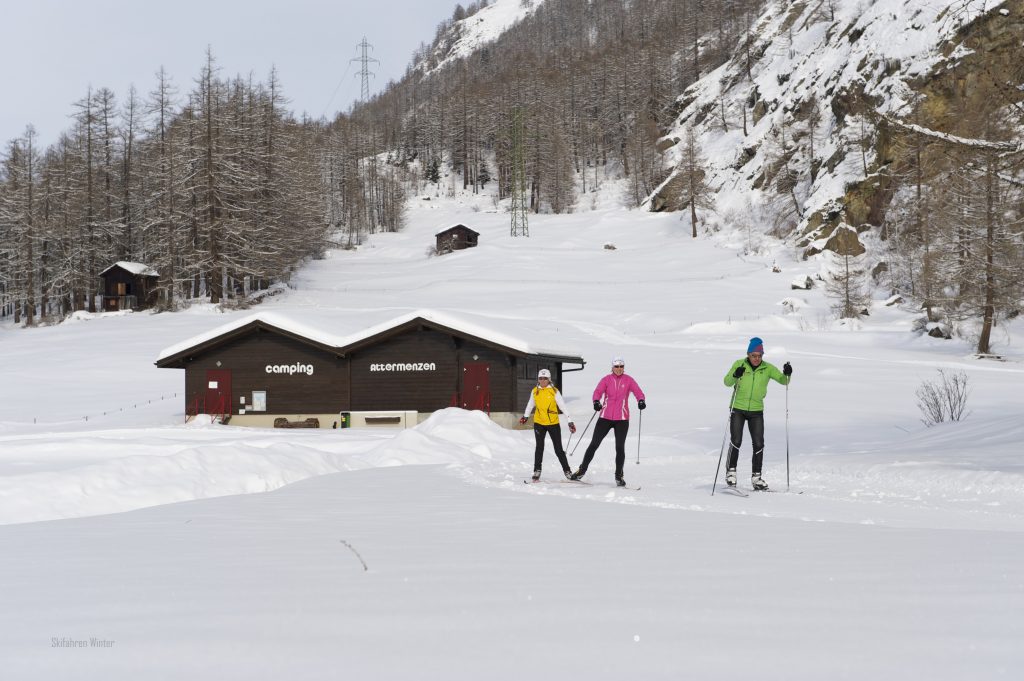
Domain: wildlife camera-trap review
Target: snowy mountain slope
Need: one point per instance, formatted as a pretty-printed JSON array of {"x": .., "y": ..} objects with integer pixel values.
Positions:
[
  {"x": 469, "y": 35},
  {"x": 846, "y": 57}
]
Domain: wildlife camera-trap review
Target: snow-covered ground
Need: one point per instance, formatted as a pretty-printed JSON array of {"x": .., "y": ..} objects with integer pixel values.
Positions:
[{"x": 206, "y": 551}]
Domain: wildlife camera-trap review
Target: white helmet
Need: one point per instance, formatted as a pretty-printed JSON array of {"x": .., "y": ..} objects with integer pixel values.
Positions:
[{"x": 543, "y": 373}]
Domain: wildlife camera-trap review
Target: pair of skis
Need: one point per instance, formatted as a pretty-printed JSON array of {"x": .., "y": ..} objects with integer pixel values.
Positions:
[
  {"x": 732, "y": 491},
  {"x": 740, "y": 493},
  {"x": 572, "y": 482}
]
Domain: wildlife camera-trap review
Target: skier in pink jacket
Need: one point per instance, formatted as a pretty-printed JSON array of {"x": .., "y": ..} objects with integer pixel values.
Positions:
[{"x": 615, "y": 389}]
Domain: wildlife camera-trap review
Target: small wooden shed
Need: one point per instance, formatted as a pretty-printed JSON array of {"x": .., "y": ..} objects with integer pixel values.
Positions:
[
  {"x": 456, "y": 238},
  {"x": 129, "y": 286}
]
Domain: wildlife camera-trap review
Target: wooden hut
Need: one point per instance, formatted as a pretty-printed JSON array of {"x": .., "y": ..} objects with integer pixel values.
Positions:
[
  {"x": 129, "y": 286},
  {"x": 456, "y": 238}
]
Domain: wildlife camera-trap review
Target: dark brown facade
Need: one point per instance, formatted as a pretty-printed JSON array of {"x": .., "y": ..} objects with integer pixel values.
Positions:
[
  {"x": 417, "y": 366},
  {"x": 423, "y": 369},
  {"x": 456, "y": 238},
  {"x": 127, "y": 290},
  {"x": 288, "y": 371}
]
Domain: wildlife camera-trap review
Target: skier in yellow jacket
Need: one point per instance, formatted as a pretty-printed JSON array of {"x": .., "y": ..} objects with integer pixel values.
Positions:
[{"x": 546, "y": 403}]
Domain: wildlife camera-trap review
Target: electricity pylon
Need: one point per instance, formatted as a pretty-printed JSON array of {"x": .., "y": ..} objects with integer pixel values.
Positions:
[
  {"x": 364, "y": 71},
  {"x": 520, "y": 225}
]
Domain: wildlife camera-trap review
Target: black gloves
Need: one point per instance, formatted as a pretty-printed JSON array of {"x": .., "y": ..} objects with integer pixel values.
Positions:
[
  {"x": 787, "y": 369},
  {"x": 572, "y": 427},
  {"x": 523, "y": 420},
  {"x": 640, "y": 404},
  {"x": 597, "y": 405},
  {"x": 739, "y": 372}
]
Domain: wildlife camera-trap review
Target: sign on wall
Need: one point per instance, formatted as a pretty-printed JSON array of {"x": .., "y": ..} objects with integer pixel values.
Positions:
[
  {"x": 290, "y": 369},
  {"x": 404, "y": 366}
]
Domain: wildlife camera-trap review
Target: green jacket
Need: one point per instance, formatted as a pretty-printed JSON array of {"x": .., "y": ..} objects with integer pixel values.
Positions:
[{"x": 753, "y": 384}]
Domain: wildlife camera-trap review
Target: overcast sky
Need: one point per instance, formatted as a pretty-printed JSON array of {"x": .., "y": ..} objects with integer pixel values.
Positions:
[{"x": 51, "y": 51}]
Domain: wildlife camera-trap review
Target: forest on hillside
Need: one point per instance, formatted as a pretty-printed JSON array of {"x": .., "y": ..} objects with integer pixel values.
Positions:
[
  {"x": 596, "y": 84},
  {"x": 217, "y": 189},
  {"x": 223, "y": 192}
]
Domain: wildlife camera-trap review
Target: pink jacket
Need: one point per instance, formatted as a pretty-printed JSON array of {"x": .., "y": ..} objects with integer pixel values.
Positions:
[{"x": 617, "y": 389}]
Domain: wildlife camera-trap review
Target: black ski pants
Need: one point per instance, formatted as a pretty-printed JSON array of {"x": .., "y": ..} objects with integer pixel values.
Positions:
[
  {"x": 755, "y": 422},
  {"x": 555, "y": 431},
  {"x": 621, "y": 427}
]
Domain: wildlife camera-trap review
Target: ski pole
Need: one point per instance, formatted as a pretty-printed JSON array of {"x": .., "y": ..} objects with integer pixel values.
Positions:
[
  {"x": 787, "y": 437},
  {"x": 569, "y": 441},
  {"x": 639, "y": 429},
  {"x": 582, "y": 434},
  {"x": 728, "y": 424}
]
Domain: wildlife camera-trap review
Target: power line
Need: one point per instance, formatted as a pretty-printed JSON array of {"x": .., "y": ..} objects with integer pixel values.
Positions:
[{"x": 338, "y": 87}]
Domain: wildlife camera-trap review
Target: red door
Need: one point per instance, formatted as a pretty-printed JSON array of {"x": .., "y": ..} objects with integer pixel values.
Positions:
[
  {"x": 476, "y": 386},
  {"x": 218, "y": 391}
]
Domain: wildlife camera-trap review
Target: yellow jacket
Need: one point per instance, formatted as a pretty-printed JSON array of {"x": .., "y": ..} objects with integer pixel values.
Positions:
[{"x": 546, "y": 403}]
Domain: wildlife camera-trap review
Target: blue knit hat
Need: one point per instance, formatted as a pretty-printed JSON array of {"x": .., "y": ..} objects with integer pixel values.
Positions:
[{"x": 755, "y": 345}]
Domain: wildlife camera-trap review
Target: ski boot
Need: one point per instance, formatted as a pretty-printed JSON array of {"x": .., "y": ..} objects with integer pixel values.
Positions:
[
  {"x": 568, "y": 473},
  {"x": 620, "y": 481},
  {"x": 730, "y": 477},
  {"x": 536, "y": 476},
  {"x": 578, "y": 475},
  {"x": 758, "y": 483}
]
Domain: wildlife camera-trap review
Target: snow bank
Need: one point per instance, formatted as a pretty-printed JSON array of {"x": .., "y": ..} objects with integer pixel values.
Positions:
[{"x": 161, "y": 466}]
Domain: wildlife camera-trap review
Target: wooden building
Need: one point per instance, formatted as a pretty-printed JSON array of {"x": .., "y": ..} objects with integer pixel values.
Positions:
[
  {"x": 456, "y": 238},
  {"x": 129, "y": 286},
  {"x": 265, "y": 368}
]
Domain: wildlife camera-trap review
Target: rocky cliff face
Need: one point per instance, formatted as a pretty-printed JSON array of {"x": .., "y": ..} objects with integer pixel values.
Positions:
[{"x": 799, "y": 122}]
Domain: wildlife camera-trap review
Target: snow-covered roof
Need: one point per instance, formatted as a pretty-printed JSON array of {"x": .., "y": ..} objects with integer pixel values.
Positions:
[
  {"x": 343, "y": 342},
  {"x": 458, "y": 324},
  {"x": 136, "y": 268},
  {"x": 458, "y": 224},
  {"x": 276, "y": 320}
]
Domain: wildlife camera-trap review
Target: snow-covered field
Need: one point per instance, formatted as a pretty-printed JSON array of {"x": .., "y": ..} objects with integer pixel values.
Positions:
[{"x": 205, "y": 551}]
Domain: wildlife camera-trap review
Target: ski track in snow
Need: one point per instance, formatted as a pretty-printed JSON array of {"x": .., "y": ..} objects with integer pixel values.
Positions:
[{"x": 147, "y": 467}]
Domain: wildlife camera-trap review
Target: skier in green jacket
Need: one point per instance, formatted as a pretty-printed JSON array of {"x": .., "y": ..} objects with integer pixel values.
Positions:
[{"x": 749, "y": 379}]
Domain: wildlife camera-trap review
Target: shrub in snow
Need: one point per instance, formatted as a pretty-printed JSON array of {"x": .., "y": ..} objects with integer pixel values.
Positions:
[
  {"x": 609, "y": 247},
  {"x": 791, "y": 305},
  {"x": 933, "y": 329},
  {"x": 943, "y": 399}
]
